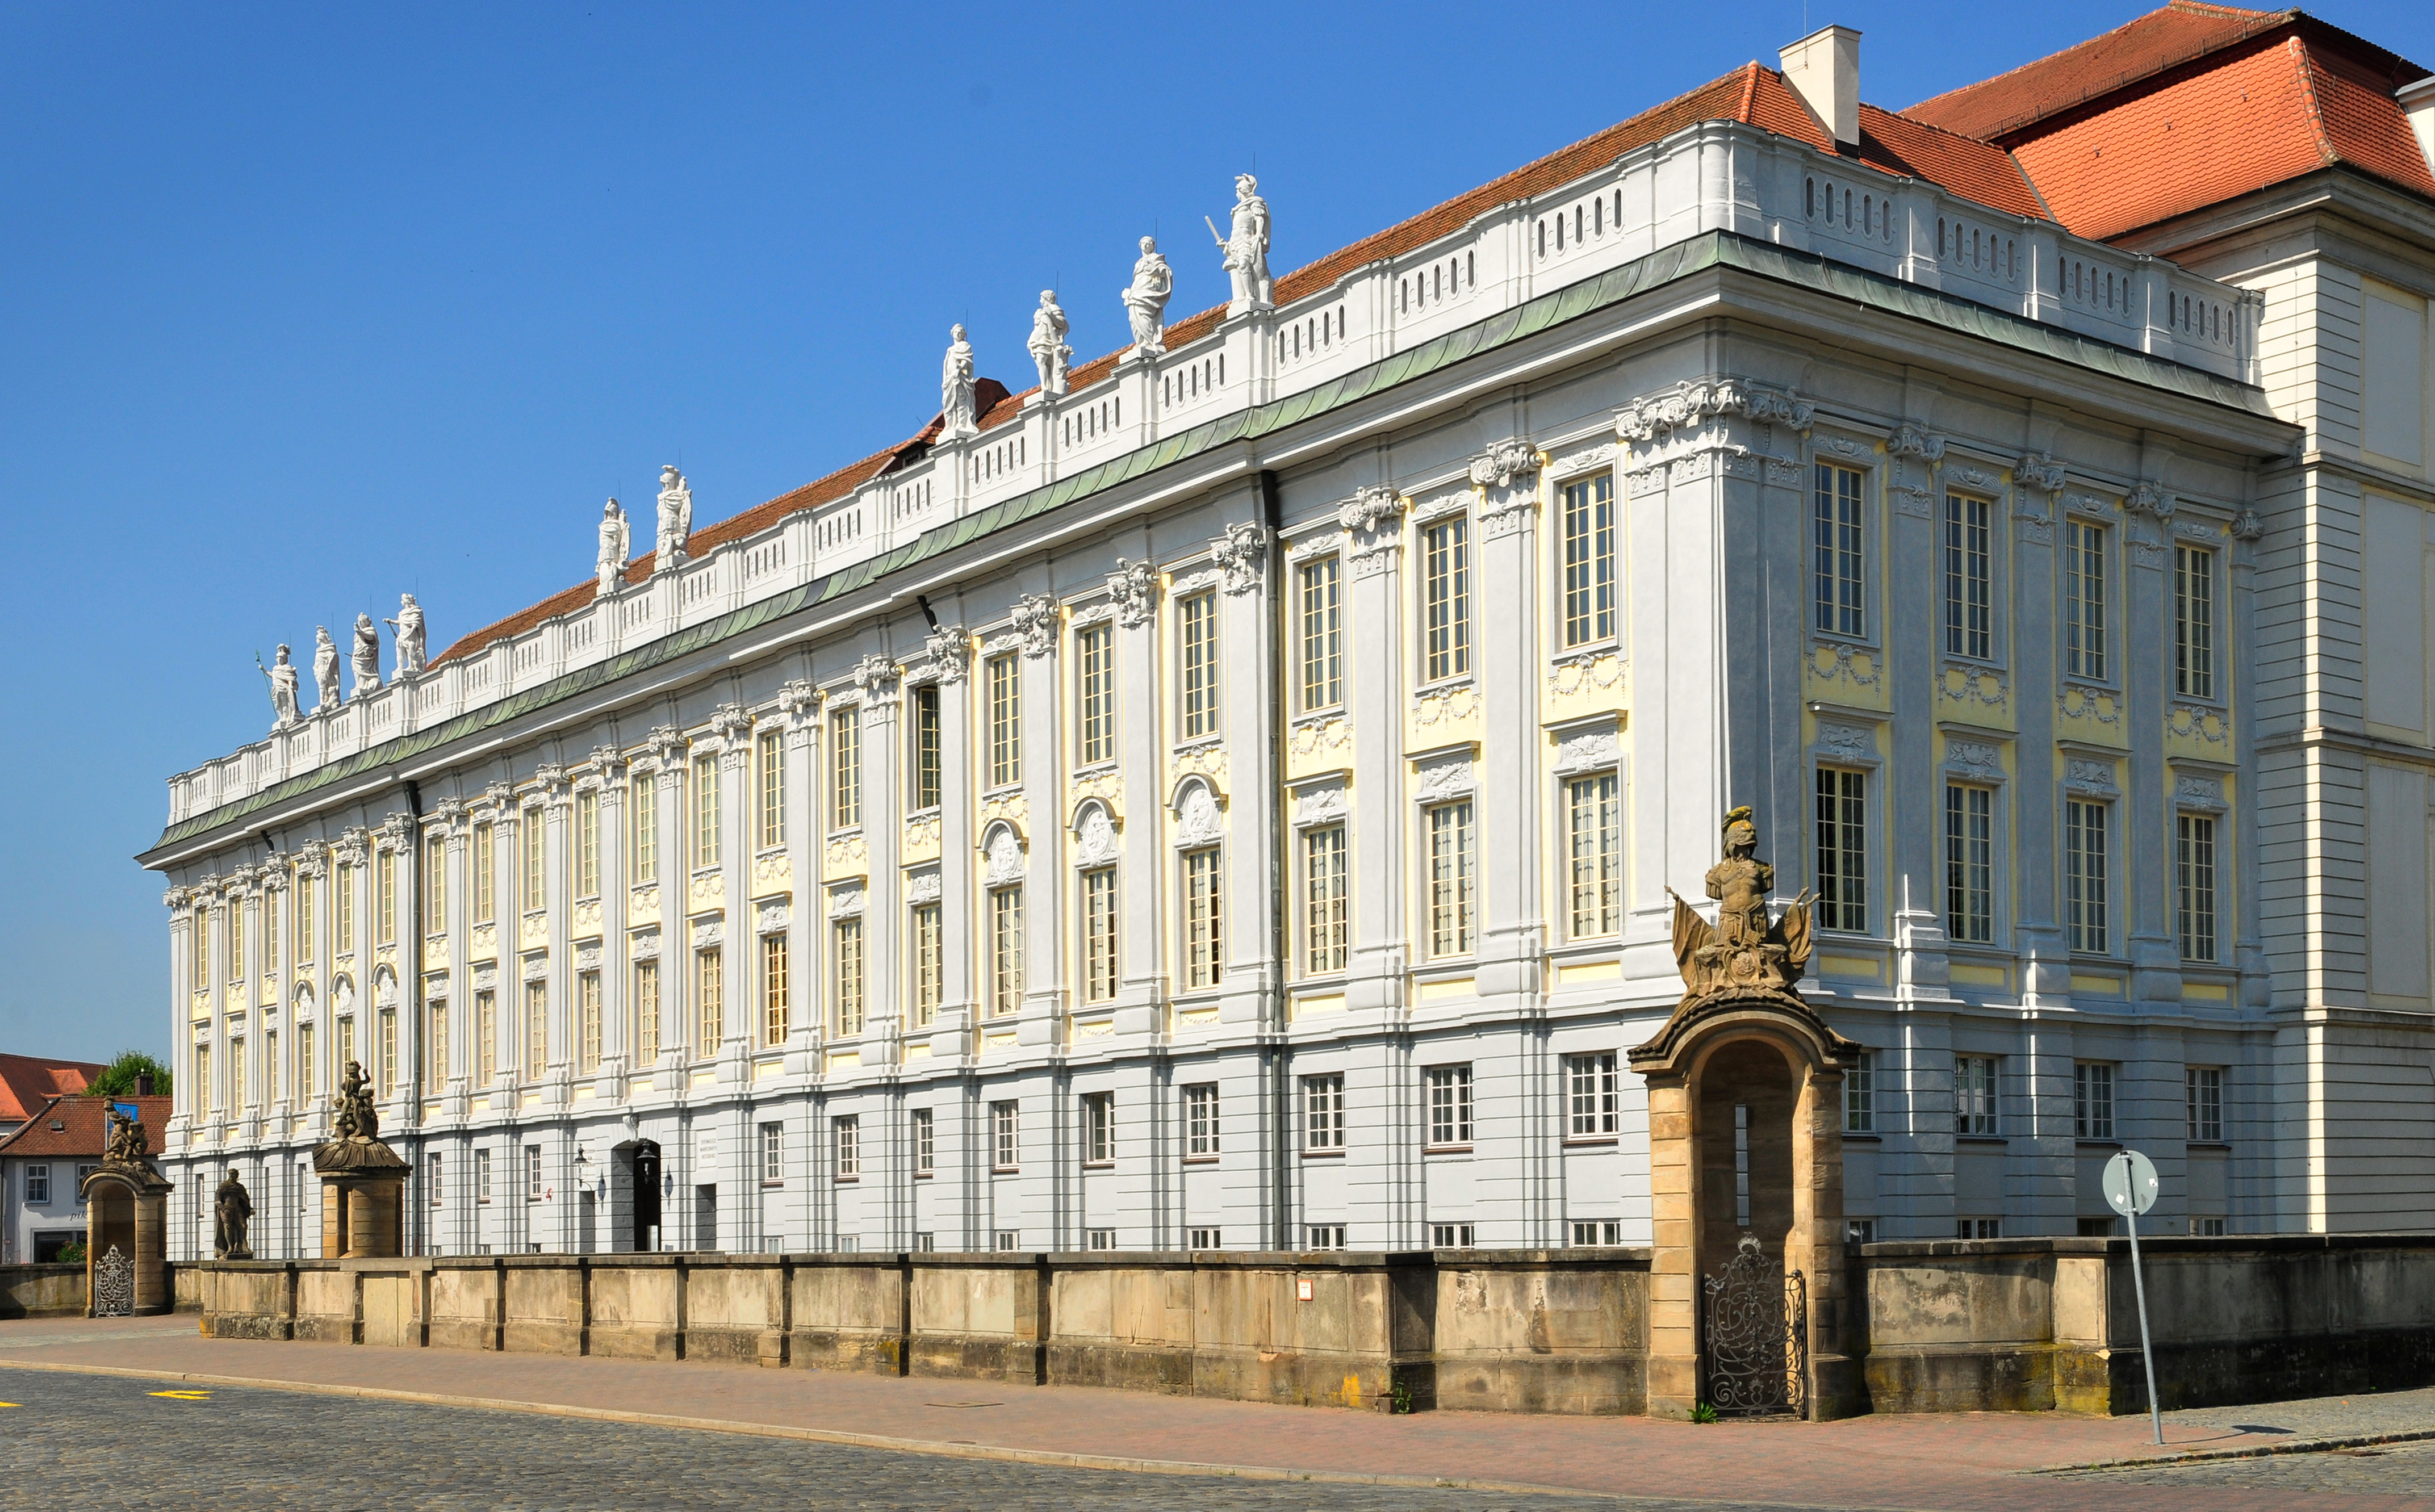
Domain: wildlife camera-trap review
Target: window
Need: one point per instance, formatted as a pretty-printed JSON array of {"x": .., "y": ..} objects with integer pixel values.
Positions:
[
  {"x": 1207, "y": 1239},
  {"x": 587, "y": 842},
  {"x": 1201, "y": 1122},
  {"x": 925, "y": 773},
  {"x": 1325, "y": 918},
  {"x": 1450, "y": 879},
  {"x": 536, "y": 840},
  {"x": 769, "y": 755},
  {"x": 432, "y": 1178},
  {"x": 346, "y": 1043},
  {"x": 37, "y": 1185},
  {"x": 271, "y": 1059},
  {"x": 342, "y": 914},
  {"x": 485, "y": 882},
  {"x": 482, "y": 1176},
  {"x": 532, "y": 1175},
  {"x": 1203, "y": 936},
  {"x": 1860, "y": 1094},
  {"x": 486, "y": 1039},
  {"x": 238, "y": 1094},
  {"x": 536, "y": 1030},
  {"x": 1593, "y": 823},
  {"x": 270, "y": 900},
  {"x": 384, "y": 915},
  {"x": 1100, "y": 1239},
  {"x": 2207, "y": 1228},
  {"x": 1323, "y": 1236},
  {"x": 1100, "y": 1129},
  {"x": 306, "y": 942},
  {"x": 1445, "y": 599},
  {"x": 1099, "y": 934},
  {"x": 1594, "y": 1096},
  {"x": 1835, "y": 515},
  {"x": 710, "y": 997},
  {"x": 1322, "y": 665},
  {"x": 773, "y": 1155},
  {"x": 1596, "y": 1234},
  {"x": 2203, "y": 1090},
  {"x": 2096, "y": 1227},
  {"x": 846, "y": 1138},
  {"x": 1095, "y": 693},
  {"x": 1978, "y": 1227},
  {"x": 1974, "y": 1094},
  {"x": 1843, "y": 849},
  {"x": 930, "y": 963},
  {"x": 705, "y": 812},
  {"x": 389, "y": 1067},
  {"x": 2194, "y": 885},
  {"x": 1006, "y": 951},
  {"x": 644, "y": 815},
  {"x": 845, "y": 1016},
  {"x": 435, "y": 1049},
  {"x": 773, "y": 992},
  {"x": 200, "y": 937},
  {"x": 1323, "y": 1113},
  {"x": 647, "y": 1012},
  {"x": 1860, "y": 1230},
  {"x": 1969, "y": 864},
  {"x": 2083, "y": 600},
  {"x": 2092, "y": 1100},
  {"x": 1969, "y": 591},
  {"x": 1002, "y": 1149},
  {"x": 2194, "y": 622},
  {"x": 845, "y": 768},
  {"x": 1589, "y": 559},
  {"x": 1450, "y": 1236},
  {"x": 1005, "y": 720},
  {"x": 237, "y": 940},
  {"x": 207, "y": 1094},
  {"x": 1195, "y": 654},
  {"x": 2085, "y": 832},
  {"x": 587, "y": 1029},
  {"x": 925, "y": 1142},
  {"x": 1449, "y": 1110},
  {"x": 1005, "y": 1239},
  {"x": 305, "y": 1080}
]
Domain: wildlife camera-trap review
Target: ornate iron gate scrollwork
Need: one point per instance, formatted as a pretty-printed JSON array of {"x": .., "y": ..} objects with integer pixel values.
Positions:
[
  {"x": 1757, "y": 1327},
  {"x": 113, "y": 1285}
]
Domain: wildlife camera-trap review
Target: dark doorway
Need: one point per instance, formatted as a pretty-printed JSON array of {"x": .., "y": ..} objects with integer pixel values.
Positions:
[{"x": 639, "y": 1169}]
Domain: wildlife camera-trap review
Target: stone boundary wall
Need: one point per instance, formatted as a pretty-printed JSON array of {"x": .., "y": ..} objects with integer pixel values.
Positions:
[{"x": 43, "y": 1291}]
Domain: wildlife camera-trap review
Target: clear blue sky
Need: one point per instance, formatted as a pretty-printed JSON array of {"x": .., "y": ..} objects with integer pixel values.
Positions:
[{"x": 309, "y": 305}]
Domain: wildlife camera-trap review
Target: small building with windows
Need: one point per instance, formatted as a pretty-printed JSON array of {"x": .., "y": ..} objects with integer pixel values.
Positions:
[
  {"x": 44, "y": 1162},
  {"x": 1232, "y": 802}
]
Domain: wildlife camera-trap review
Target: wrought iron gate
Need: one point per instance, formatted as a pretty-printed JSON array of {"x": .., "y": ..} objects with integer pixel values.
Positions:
[
  {"x": 113, "y": 1285},
  {"x": 1756, "y": 1336}
]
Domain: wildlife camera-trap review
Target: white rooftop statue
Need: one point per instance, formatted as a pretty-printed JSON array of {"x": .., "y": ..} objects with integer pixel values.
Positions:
[
  {"x": 1246, "y": 246},
  {"x": 1146, "y": 301},
  {"x": 367, "y": 655},
  {"x": 283, "y": 690},
  {"x": 956, "y": 390},
  {"x": 676, "y": 518},
  {"x": 409, "y": 626},
  {"x": 325, "y": 669},
  {"x": 1049, "y": 353},
  {"x": 615, "y": 540}
]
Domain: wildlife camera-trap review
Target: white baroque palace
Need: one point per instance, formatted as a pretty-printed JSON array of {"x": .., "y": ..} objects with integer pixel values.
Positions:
[{"x": 1228, "y": 799}]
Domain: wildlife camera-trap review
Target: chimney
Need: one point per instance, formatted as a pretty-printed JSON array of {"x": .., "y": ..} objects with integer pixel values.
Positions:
[
  {"x": 2418, "y": 103},
  {"x": 1824, "y": 68},
  {"x": 143, "y": 1083}
]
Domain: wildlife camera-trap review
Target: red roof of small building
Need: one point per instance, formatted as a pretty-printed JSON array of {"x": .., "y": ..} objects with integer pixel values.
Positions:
[
  {"x": 26, "y": 1082},
  {"x": 84, "y": 1127}
]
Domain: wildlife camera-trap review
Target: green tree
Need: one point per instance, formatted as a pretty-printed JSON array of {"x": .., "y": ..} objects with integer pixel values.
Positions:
[{"x": 119, "y": 1080}]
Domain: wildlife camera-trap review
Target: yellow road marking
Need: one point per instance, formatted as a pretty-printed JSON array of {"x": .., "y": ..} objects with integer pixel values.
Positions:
[{"x": 181, "y": 1396}]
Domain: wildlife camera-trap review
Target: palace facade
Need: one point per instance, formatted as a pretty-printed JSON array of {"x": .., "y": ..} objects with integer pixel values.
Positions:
[{"x": 1231, "y": 803}]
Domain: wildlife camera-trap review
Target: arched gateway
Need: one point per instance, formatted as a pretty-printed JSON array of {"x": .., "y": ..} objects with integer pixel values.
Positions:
[{"x": 1746, "y": 1162}]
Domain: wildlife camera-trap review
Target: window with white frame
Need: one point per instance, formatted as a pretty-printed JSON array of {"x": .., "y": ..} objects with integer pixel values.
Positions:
[
  {"x": 587, "y": 846},
  {"x": 1003, "y": 1130},
  {"x": 1006, "y": 951},
  {"x": 845, "y": 1140},
  {"x": 1005, "y": 678},
  {"x": 710, "y": 1001},
  {"x": 1099, "y": 1128},
  {"x": 1860, "y": 1094},
  {"x": 587, "y": 1025},
  {"x": 1451, "y": 873},
  {"x": 1322, "y": 1114},
  {"x": 435, "y": 891},
  {"x": 769, "y": 750},
  {"x": 1203, "y": 940},
  {"x": 1196, "y": 658},
  {"x": 1839, "y": 586},
  {"x": 1969, "y": 864},
  {"x": 2193, "y": 621},
  {"x": 2085, "y": 592},
  {"x": 1323, "y": 1236},
  {"x": 1843, "y": 849},
  {"x": 2086, "y": 829},
  {"x": 2202, "y": 1093},
  {"x": 1969, "y": 579},
  {"x": 1326, "y": 884},
  {"x": 846, "y": 977},
  {"x": 2194, "y": 885},
  {"x": 1588, "y": 507},
  {"x": 1095, "y": 693},
  {"x": 534, "y": 1191},
  {"x": 1451, "y": 1235},
  {"x": 1588, "y": 1233},
  {"x": 1099, "y": 960},
  {"x": 774, "y": 970},
  {"x": 1445, "y": 599},
  {"x": 1320, "y": 634},
  {"x": 643, "y": 841},
  {"x": 482, "y": 1176},
  {"x": 926, "y": 1142},
  {"x": 1973, "y": 1095},
  {"x": 928, "y": 774},
  {"x": 1201, "y": 1122},
  {"x": 37, "y": 1185},
  {"x": 384, "y": 913},
  {"x": 705, "y": 812},
  {"x": 1005, "y": 1239},
  {"x": 1859, "y": 1230},
  {"x": 1594, "y": 844},
  {"x": 1593, "y": 1095},
  {"x": 2092, "y": 1100},
  {"x": 773, "y": 1155},
  {"x": 1207, "y": 1239},
  {"x": 930, "y": 963},
  {"x": 845, "y": 768},
  {"x": 1449, "y": 1105},
  {"x": 1978, "y": 1229},
  {"x": 646, "y": 1016},
  {"x": 1100, "y": 1239}
]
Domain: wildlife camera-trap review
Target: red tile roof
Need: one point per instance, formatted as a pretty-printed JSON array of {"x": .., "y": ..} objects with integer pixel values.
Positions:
[
  {"x": 26, "y": 1082},
  {"x": 84, "y": 1131}
]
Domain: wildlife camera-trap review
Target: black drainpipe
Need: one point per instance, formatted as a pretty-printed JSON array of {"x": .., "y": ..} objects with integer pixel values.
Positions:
[
  {"x": 413, "y": 995},
  {"x": 1280, "y": 860}
]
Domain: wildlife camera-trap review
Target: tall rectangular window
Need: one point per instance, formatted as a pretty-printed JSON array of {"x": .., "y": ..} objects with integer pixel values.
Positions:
[
  {"x": 1843, "y": 849},
  {"x": 926, "y": 1142},
  {"x": 846, "y": 1140},
  {"x": 1969, "y": 579},
  {"x": 1005, "y": 676},
  {"x": 486, "y": 881},
  {"x": 930, "y": 963},
  {"x": 384, "y": 915},
  {"x": 199, "y": 934},
  {"x": 1589, "y": 559},
  {"x": 1099, "y": 1127},
  {"x": 482, "y": 1176},
  {"x": 432, "y": 1168},
  {"x": 270, "y": 1061},
  {"x": 2202, "y": 1091},
  {"x": 486, "y": 1037},
  {"x": 1593, "y": 846},
  {"x": 535, "y": 836},
  {"x": 2194, "y": 622},
  {"x": 2092, "y": 1100},
  {"x": 845, "y": 768},
  {"x": 1195, "y": 655},
  {"x": 1837, "y": 568},
  {"x": 1969, "y": 864},
  {"x": 1324, "y": 886},
  {"x": 1445, "y": 599},
  {"x": 587, "y": 1023},
  {"x": 2194, "y": 885},
  {"x": 846, "y": 985},
  {"x": 769, "y": 756},
  {"x": 705, "y": 812},
  {"x": 533, "y": 1187},
  {"x": 1451, "y": 872},
  {"x": 237, "y": 940},
  {"x": 387, "y": 1059},
  {"x": 1005, "y": 1136},
  {"x": 587, "y": 842},
  {"x": 773, "y": 1155},
  {"x": 1204, "y": 942},
  {"x": 272, "y": 898},
  {"x": 1095, "y": 693},
  {"x": 1860, "y": 1094},
  {"x": 307, "y": 940},
  {"x": 346, "y": 1043},
  {"x": 239, "y": 1095},
  {"x": 2083, "y": 600},
  {"x": 1593, "y": 1096},
  {"x": 647, "y": 1013},
  {"x": 925, "y": 773},
  {"x": 1974, "y": 1094},
  {"x": 206, "y": 1093},
  {"x": 1201, "y": 1122},
  {"x": 1006, "y": 951},
  {"x": 1449, "y": 1105},
  {"x": 307, "y": 1077},
  {"x": 435, "y": 1046},
  {"x": 342, "y": 914},
  {"x": 1322, "y": 1112},
  {"x": 773, "y": 992},
  {"x": 643, "y": 809},
  {"x": 710, "y": 1001},
  {"x": 1100, "y": 966},
  {"x": 536, "y": 1030},
  {"x": 2084, "y": 873},
  {"x": 1322, "y": 635}
]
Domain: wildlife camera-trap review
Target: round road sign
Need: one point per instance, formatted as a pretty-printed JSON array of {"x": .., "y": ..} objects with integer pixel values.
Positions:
[{"x": 2130, "y": 1183}]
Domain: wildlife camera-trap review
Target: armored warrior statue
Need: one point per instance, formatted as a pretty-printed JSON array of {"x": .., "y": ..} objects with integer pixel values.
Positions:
[
  {"x": 1246, "y": 246},
  {"x": 676, "y": 518},
  {"x": 367, "y": 657},
  {"x": 956, "y": 390},
  {"x": 283, "y": 690},
  {"x": 325, "y": 669},
  {"x": 232, "y": 1209},
  {"x": 409, "y": 626},
  {"x": 1049, "y": 353},
  {"x": 1146, "y": 301},
  {"x": 614, "y": 538},
  {"x": 1743, "y": 951}
]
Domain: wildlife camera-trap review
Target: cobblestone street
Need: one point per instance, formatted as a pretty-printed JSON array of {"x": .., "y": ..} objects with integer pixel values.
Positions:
[{"x": 2394, "y": 1469}]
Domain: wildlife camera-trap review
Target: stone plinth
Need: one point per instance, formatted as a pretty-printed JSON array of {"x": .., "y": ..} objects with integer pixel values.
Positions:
[
  {"x": 126, "y": 1213},
  {"x": 363, "y": 1198}
]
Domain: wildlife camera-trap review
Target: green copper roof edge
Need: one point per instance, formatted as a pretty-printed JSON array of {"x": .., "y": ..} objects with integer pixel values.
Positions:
[{"x": 1571, "y": 302}]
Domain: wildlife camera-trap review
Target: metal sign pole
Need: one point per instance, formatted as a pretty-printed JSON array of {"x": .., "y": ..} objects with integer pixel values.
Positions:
[
  {"x": 2129, "y": 1187},
  {"x": 2146, "y": 1350}
]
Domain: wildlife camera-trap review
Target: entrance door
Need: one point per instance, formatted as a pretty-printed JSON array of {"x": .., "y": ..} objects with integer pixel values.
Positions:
[
  {"x": 641, "y": 1171},
  {"x": 1746, "y": 1104}
]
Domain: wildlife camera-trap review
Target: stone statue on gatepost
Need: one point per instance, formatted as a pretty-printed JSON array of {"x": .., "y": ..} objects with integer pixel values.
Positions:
[
  {"x": 409, "y": 626},
  {"x": 615, "y": 540},
  {"x": 232, "y": 1210},
  {"x": 1049, "y": 353},
  {"x": 956, "y": 377},
  {"x": 367, "y": 655},
  {"x": 325, "y": 670},
  {"x": 676, "y": 518},
  {"x": 127, "y": 1225},
  {"x": 1146, "y": 300},
  {"x": 1246, "y": 249},
  {"x": 363, "y": 1180}
]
